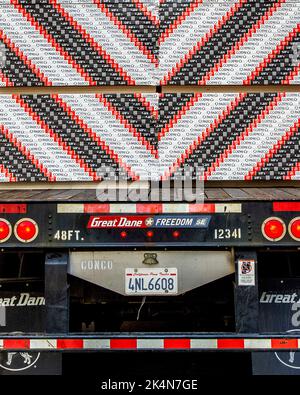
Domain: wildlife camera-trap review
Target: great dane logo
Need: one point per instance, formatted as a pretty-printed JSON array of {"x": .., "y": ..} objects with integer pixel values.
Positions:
[{"x": 17, "y": 361}]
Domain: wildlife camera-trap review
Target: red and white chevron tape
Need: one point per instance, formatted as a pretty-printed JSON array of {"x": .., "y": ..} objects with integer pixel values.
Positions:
[
  {"x": 231, "y": 136},
  {"x": 99, "y": 42},
  {"x": 232, "y": 42},
  {"x": 73, "y": 135},
  {"x": 89, "y": 344},
  {"x": 128, "y": 42}
]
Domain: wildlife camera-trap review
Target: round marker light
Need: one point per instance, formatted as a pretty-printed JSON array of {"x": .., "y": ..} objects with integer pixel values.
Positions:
[
  {"x": 5, "y": 230},
  {"x": 150, "y": 233},
  {"x": 176, "y": 234},
  {"x": 123, "y": 234},
  {"x": 273, "y": 229},
  {"x": 26, "y": 230},
  {"x": 294, "y": 228}
]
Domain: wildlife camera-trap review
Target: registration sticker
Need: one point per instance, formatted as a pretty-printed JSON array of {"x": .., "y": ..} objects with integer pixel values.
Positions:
[{"x": 156, "y": 281}]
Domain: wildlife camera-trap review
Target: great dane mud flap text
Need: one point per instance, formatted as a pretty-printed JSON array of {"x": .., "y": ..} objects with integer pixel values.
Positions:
[{"x": 23, "y": 312}]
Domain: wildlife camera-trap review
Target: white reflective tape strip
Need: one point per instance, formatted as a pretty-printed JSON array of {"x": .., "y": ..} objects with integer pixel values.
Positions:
[
  {"x": 96, "y": 344},
  {"x": 68, "y": 208},
  {"x": 204, "y": 343},
  {"x": 258, "y": 343},
  {"x": 1, "y": 343},
  {"x": 168, "y": 208},
  {"x": 175, "y": 208},
  {"x": 122, "y": 208},
  {"x": 150, "y": 343},
  {"x": 228, "y": 208},
  {"x": 43, "y": 344}
]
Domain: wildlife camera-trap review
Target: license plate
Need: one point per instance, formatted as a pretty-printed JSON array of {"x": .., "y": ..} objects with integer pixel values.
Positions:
[{"x": 156, "y": 281}]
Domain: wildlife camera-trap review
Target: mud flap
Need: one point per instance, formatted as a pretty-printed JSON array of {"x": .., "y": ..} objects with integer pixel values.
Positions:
[
  {"x": 24, "y": 313},
  {"x": 35, "y": 307},
  {"x": 30, "y": 363},
  {"x": 279, "y": 312}
]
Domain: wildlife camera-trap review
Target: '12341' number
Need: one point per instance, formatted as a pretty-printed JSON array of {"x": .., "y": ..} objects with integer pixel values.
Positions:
[{"x": 235, "y": 233}]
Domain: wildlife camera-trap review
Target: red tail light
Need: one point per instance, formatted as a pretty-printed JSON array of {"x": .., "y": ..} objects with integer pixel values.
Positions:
[
  {"x": 273, "y": 229},
  {"x": 5, "y": 230},
  {"x": 123, "y": 234},
  {"x": 176, "y": 234},
  {"x": 150, "y": 234},
  {"x": 294, "y": 228},
  {"x": 26, "y": 230}
]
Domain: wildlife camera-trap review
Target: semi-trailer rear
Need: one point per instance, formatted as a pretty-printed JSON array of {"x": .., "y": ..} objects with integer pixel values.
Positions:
[{"x": 159, "y": 216}]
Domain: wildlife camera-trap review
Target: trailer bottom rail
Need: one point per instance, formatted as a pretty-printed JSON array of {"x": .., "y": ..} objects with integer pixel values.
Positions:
[{"x": 150, "y": 343}]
